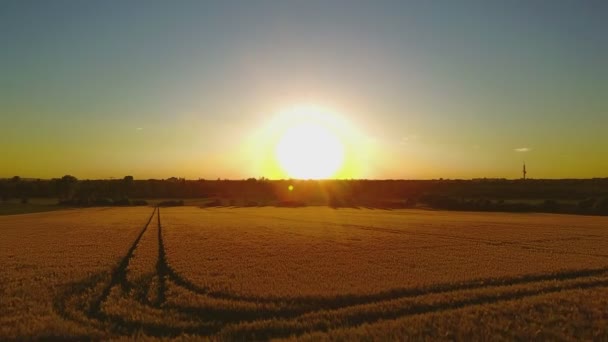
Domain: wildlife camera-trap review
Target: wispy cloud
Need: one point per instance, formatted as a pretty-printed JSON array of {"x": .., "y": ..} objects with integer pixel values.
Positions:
[
  {"x": 139, "y": 128},
  {"x": 407, "y": 139},
  {"x": 523, "y": 149}
]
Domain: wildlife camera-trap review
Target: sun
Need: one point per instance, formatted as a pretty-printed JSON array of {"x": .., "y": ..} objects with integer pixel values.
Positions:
[
  {"x": 310, "y": 150},
  {"x": 308, "y": 141}
]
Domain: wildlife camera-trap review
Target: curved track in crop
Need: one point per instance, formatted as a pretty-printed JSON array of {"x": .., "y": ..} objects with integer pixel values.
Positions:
[{"x": 114, "y": 303}]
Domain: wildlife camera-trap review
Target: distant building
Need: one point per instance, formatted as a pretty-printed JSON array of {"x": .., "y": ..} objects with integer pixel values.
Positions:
[{"x": 524, "y": 172}]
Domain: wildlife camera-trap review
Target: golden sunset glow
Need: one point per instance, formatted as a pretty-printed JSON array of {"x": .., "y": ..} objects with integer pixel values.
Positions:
[
  {"x": 304, "y": 170},
  {"x": 309, "y": 141},
  {"x": 310, "y": 151}
]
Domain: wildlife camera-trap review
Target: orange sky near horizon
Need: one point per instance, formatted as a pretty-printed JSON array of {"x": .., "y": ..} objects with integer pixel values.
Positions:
[{"x": 406, "y": 90}]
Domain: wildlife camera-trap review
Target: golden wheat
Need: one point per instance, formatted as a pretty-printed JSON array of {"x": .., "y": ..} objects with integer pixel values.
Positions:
[
  {"x": 42, "y": 253},
  {"x": 325, "y": 252},
  {"x": 305, "y": 273}
]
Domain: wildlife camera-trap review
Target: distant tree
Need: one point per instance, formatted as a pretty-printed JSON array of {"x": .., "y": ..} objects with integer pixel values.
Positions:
[
  {"x": 127, "y": 186},
  {"x": 66, "y": 187},
  {"x": 23, "y": 189},
  {"x": 69, "y": 178}
]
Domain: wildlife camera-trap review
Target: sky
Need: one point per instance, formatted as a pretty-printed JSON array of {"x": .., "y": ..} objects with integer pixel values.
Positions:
[{"x": 199, "y": 89}]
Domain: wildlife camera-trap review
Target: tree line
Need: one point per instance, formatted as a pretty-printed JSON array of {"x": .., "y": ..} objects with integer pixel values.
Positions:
[{"x": 479, "y": 194}]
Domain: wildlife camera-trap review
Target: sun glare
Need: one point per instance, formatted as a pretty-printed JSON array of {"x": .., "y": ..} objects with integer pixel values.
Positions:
[
  {"x": 309, "y": 142},
  {"x": 308, "y": 146},
  {"x": 309, "y": 151}
]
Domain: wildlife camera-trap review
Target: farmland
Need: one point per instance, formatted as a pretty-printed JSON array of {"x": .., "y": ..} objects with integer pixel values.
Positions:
[{"x": 307, "y": 273}]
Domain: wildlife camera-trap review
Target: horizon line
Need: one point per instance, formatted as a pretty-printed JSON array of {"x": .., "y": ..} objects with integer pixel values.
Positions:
[{"x": 304, "y": 179}]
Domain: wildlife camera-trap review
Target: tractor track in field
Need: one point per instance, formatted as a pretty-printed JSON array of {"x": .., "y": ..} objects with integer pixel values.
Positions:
[
  {"x": 162, "y": 267},
  {"x": 119, "y": 275},
  {"x": 294, "y": 312}
]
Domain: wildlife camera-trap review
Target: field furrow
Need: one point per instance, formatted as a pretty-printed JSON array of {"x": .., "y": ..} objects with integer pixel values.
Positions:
[{"x": 168, "y": 282}]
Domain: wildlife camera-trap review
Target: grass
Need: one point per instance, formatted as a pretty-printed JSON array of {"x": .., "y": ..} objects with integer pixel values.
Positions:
[
  {"x": 28, "y": 208},
  {"x": 34, "y": 205},
  {"x": 312, "y": 273}
]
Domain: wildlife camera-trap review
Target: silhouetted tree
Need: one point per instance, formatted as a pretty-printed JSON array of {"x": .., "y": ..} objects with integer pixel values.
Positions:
[
  {"x": 66, "y": 187},
  {"x": 127, "y": 185}
]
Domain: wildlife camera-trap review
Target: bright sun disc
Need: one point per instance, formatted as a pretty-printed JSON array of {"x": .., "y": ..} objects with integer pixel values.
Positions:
[{"x": 310, "y": 151}]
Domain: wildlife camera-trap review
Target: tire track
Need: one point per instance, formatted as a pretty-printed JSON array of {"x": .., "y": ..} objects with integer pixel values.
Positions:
[
  {"x": 297, "y": 313},
  {"x": 119, "y": 275},
  {"x": 337, "y": 302},
  {"x": 161, "y": 266},
  {"x": 344, "y": 300},
  {"x": 285, "y": 310},
  {"x": 91, "y": 312},
  {"x": 295, "y": 327},
  {"x": 299, "y": 306}
]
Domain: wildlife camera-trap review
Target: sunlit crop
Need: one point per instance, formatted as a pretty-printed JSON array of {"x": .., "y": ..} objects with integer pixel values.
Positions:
[{"x": 303, "y": 273}]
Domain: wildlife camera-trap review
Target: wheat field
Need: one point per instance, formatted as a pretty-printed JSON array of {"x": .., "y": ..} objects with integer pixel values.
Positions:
[{"x": 312, "y": 273}]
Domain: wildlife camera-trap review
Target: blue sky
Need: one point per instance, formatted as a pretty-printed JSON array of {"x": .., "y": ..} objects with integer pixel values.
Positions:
[{"x": 434, "y": 88}]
